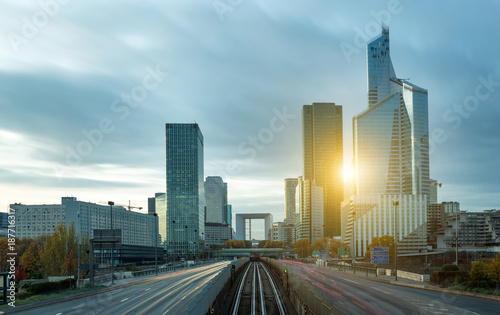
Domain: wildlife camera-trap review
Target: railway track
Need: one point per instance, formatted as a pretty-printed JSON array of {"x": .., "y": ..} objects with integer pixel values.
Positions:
[{"x": 257, "y": 293}]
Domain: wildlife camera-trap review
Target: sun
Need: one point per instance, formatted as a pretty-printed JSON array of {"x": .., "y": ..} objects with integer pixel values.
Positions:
[{"x": 348, "y": 173}]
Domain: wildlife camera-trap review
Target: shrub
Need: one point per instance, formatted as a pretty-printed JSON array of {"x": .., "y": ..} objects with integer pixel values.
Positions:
[
  {"x": 44, "y": 287},
  {"x": 24, "y": 295},
  {"x": 449, "y": 277},
  {"x": 26, "y": 285},
  {"x": 449, "y": 267},
  {"x": 68, "y": 283}
]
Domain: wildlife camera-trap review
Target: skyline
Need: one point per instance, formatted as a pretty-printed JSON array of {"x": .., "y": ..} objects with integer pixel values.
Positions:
[{"x": 242, "y": 82}]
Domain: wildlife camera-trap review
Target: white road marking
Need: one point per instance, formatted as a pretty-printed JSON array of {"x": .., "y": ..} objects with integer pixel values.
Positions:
[
  {"x": 124, "y": 300},
  {"x": 78, "y": 306},
  {"x": 147, "y": 289}
]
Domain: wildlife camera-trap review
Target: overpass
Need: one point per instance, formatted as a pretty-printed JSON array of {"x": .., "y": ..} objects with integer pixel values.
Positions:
[{"x": 257, "y": 252}]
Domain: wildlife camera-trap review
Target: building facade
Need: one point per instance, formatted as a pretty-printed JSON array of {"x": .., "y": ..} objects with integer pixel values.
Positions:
[
  {"x": 471, "y": 230},
  {"x": 437, "y": 214},
  {"x": 37, "y": 220},
  {"x": 184, "y": 218},
  {"x": 217, "y": 209},
  {"x": 277, "y": 231},
  {"x": 217, "y": 234},
  {"x": 323, "y": 158},
  {"x": 391, "y": 159},
  {"x": 290, "y": 191},
  {"x": 311, "y": 211}
]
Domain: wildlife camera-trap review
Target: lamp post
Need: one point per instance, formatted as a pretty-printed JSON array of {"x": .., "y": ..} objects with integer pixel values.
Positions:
[
  {"x": 111, "y": 203},
  {"x": 187, "y": 244},
  {"x": 156, "y": 242},
  {"x": 456, "y": 239},
  {"x": 354, "y": 243},
  {"x": 173, "y": 237},
  {"x": 395, "y": 203},
  {"x": 79, "y": 241}
]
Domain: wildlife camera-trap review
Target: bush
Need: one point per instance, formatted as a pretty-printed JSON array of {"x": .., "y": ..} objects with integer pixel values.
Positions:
[
  {"x": 44, "y": 287},
  {"x": 448, "y": 277},
  {"x": 26, "y": 285},
  {"x": 24, "y": 295},
  {"x": 68, "y": 283},
  {"x": 132, "y": 268},
  {"x": 449, "y": 267}
]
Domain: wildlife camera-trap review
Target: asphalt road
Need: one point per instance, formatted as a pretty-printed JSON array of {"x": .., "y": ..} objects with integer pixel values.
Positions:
[
  {"x": 354, "y": 295},
  {"x": 166, "y": 294}
]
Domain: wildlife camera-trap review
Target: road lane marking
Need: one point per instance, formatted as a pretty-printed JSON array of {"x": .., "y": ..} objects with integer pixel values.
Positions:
[
  {"x": 124, "y": 300},
  {"x": 147, "y": 289},
  {"x": 351, "y": 281},
  {"x": 359, "y": 304},
  {"x": 78, "y": 306}
]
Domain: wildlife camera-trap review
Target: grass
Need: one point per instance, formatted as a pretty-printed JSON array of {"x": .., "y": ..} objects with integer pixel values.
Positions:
[{"x": 53, "y": 295}]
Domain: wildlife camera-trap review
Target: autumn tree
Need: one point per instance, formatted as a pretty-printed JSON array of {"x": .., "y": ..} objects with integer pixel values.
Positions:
[
  {"x": 303, "y": 248},
  {"x": 382, "y": 241},
  {"x": 493, "y": 270},
  {"x": 56, "y": 248},
  {"x": 30, "y": 259}
]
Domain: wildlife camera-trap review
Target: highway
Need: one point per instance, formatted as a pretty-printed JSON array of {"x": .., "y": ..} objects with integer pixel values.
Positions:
[
  {"x": 354, "y": 295},
  {"x": 165, "y": 294}
]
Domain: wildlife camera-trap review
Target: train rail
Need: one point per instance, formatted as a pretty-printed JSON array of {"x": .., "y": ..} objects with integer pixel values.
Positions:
[{"x": 257, "y": 293}]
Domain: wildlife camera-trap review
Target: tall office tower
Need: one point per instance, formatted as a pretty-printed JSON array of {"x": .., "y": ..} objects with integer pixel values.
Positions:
[
  {"x": 185, "y": 193},
  {"x": 391, "y": 159},
  {"x": 215, "y": 200},
  {"x": 391, "y": 137},
  {"x": 311, "y": 210},
  {"x": 290, "y": 189},
  {"x": 323, "y": 158}
]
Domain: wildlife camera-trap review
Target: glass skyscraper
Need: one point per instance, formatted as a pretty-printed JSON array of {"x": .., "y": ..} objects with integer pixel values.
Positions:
[
  {"x": 391, "y": 137},
  {"x": 391, "y": 159},
  {"x": 323, "y": 158},
  {"x": 183, "y": 222}
]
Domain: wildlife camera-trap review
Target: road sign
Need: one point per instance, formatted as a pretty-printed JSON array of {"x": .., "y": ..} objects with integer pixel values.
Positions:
[
  {"x": 344, "y": 253},
  {"x": 380, "y": 255},
  {"x": 323, "y": 254}
]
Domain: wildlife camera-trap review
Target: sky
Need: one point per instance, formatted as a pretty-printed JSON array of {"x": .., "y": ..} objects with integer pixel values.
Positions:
[{"x": 86, "y": 88}]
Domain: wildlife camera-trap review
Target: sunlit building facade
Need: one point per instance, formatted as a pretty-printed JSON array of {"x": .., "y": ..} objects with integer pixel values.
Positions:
[
  {"x": 323, "y": 158},
  {"x": 310, "y": 204},
  {"x": 391, "y": 158},
  {"x": 184, "y": 217}
]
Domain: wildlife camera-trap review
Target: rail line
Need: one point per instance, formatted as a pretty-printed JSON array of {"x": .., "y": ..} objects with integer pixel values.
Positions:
[{"x": 257, "y": 293}]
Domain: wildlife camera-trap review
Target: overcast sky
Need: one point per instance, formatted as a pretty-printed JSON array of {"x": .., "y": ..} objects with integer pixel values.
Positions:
[{"x": 86, "y": 88}]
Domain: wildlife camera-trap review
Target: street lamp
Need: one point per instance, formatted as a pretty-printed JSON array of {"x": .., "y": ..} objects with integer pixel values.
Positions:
[
  {"x": 187, "y": 244},
  {"x": 354, "y": 242},
  {"x": 111, "y": 203},
  {"x": 156, "y": 242},
  {"x": 395, "y": 203},
  {"x": 173, "y": 237}
]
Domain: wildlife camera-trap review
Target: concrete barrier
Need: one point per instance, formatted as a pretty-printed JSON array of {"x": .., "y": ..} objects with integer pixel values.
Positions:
[{"x": 414, "y": 276}]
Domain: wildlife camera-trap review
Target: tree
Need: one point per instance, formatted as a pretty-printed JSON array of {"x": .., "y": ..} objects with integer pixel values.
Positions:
[
  {"x": 262, "y": 244},
  {"x": 303, "y": 248},
  {"x": 493, "y": 270},
  {"x": 31, "y": 257},
  {"x": 322, "y": 243},
  {"x": 20, "y": 273},
  {"x": 479, "y": 271},
  {"x": 248, "y": 244},
  {"x": 56, "y": 248},
  {"x": 382, "y": 241},
  {"x": 4, "y": 249},
  {"x": 70, "y": 264}
]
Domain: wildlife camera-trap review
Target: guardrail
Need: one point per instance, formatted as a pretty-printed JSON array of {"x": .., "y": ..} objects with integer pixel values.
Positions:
[
  {"x": 359, "y": 269},
  {"x": 305, "y": 298},
  {"x": 210, "y": 291}
]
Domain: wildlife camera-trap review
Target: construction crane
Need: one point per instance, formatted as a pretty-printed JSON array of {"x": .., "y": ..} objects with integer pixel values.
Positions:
[{"x": 125, "y": 206}]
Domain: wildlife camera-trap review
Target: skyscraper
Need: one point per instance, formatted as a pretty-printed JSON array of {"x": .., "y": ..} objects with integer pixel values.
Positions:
[
  {"x": 391, "y": 137},
  {"x": 185, "y": 190},
  {"x": 391, "y": 158},
  {"x": 323, "y": 158},
  {"x": 216, "y": 200},
  {"x": 290, "y": 188}
]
